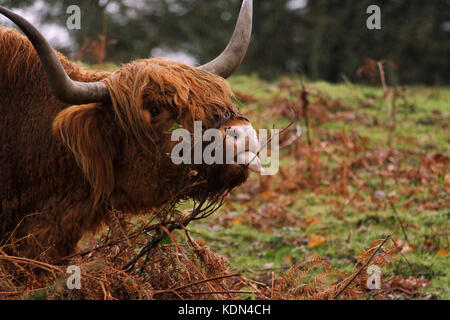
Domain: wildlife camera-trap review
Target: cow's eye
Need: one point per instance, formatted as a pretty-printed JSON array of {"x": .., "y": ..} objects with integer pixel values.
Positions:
[{"x": 155, "y": 111}]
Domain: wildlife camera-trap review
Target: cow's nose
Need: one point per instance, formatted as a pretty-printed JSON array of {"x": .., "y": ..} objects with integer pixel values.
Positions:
[{"x": 241, "y": 141}]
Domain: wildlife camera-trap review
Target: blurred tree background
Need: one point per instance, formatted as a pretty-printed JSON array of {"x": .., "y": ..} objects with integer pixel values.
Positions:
[{"x": 321, "y": 39}]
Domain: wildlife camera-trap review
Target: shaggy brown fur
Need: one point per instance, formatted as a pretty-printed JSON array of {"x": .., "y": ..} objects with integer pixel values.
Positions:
[{"x": 62, "y": 168}]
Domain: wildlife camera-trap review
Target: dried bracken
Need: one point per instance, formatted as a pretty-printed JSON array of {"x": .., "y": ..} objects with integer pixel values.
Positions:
[{"x": 187, "y": 270}]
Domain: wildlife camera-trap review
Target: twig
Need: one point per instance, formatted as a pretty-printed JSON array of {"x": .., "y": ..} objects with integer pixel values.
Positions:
[
  {"x": 350, "y": 200},
  {"x": 222, "y": 292},
  {"x": 382, "y": 76},
  {"x": 292, "y": 139},
  {"x": 273, "y": 283},
  {"x": 293, "y": 120},
  {"x": 305, "y": 105},
  {"x": 130, "y": 265},
  {"x": 200, "y": 211},
  {"x": 399, "y": 221},
  {"x": 403, "y": 256},
  {"x": 386, "y": 97},
  {"x": 185, "y": 255},
  {"x": 42, "y": 265},
  {"x": 362, "y": 268},
  {"x": 197, "y": 282},
  {"x": 4, "y": 241},
  {"x": 6, "y": 293},
  {"x": 252, "y": 284}
]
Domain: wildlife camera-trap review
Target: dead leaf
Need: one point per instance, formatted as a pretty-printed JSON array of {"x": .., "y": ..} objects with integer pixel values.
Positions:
[
  {"x": 316, "y": 240},
  {"x": 313, "y": 221},
  {"x": 236, "y": 221},
  {"x": 267, "y": 195}
]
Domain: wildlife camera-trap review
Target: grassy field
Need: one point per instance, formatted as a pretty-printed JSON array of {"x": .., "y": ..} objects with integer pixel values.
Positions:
[
  {"x": 377, "y": 164},
  {"x": 371, "y": 165}
]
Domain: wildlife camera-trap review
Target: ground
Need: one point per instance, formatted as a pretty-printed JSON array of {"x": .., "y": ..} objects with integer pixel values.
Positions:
[
  {"x": 372, "y": 164},
  {"x": 372, "y": 170}
]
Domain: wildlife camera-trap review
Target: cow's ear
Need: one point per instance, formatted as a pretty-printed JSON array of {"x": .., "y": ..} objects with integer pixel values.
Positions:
[{"x": 88, "y": 133}]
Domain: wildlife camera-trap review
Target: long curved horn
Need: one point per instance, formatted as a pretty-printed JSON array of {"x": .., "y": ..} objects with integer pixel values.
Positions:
[
  {"x": 65, "y": 89},
  {"x": 231, "y": 58}
]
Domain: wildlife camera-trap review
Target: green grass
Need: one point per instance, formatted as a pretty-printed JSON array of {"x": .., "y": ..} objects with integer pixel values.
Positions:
[{"x": 422, "y": 128}]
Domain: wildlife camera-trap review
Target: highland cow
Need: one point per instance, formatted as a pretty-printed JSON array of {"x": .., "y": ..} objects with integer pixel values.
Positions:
[{"x": 75, "y": 143}]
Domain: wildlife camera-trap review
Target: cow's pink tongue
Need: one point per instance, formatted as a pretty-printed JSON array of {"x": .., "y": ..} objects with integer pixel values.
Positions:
[{"x": 251, "y": 160}]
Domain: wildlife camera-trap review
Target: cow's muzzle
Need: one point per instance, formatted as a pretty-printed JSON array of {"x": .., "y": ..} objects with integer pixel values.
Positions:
[{"x": 241, "y": 142}]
